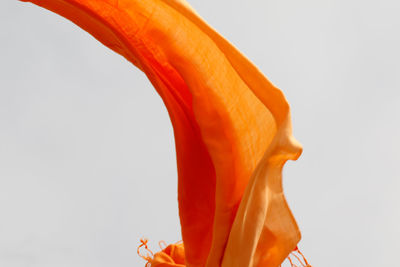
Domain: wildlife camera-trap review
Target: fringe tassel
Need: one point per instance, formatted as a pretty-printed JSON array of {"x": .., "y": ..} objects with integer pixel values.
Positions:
[
  {"x": 296, "y": 253},
  {"x": 149, "y": 254}
]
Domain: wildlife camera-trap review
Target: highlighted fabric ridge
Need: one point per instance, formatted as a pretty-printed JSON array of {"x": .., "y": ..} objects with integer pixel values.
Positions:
[{"x": 232, "y": 130}]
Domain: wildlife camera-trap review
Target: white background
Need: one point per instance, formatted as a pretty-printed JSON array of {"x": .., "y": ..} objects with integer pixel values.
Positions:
[{"x": 87, "y": 160}]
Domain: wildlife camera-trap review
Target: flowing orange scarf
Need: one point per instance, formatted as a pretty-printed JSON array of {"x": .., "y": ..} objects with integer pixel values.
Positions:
[{"x": 232, "y": 130}]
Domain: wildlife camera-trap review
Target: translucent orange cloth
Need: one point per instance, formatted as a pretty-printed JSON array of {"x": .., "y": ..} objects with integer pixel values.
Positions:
[{"x": 232, "y": 129}]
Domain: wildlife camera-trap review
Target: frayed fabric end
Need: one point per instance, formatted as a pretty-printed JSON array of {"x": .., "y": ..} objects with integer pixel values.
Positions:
[
  {"x": 170, "y": 255},
  {"x": 296, "y": 257}
]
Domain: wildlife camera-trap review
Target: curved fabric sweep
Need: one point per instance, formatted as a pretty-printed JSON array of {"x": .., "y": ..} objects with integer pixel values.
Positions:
[{"x": 232, "y": 129}]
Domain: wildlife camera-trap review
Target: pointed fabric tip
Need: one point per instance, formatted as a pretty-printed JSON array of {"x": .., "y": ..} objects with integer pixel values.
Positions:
[{"x": 232, "y": 130}]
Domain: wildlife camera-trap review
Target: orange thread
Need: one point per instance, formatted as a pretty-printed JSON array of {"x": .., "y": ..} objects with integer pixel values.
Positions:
[
  {"x": 303, "y": 262},
  {"x": 291, "y": 262},
  {"x": 304, "y": 258},
  {"x": 162, "y": 244},
  {"x": 298, "y": 258},
  {"x": 149, "y": 254}
]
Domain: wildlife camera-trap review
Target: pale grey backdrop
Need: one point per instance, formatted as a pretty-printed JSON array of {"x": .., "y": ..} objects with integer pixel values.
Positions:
[{"x": 87, "y": 161}]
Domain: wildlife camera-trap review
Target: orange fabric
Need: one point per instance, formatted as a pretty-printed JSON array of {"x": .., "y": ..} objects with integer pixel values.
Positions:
[
  {"x": 173, "y": 254},
  {"x": 232, "y": 128}
]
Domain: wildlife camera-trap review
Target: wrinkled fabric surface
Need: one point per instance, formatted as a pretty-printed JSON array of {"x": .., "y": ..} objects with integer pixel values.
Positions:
[{"x": 231, "y": 125}]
